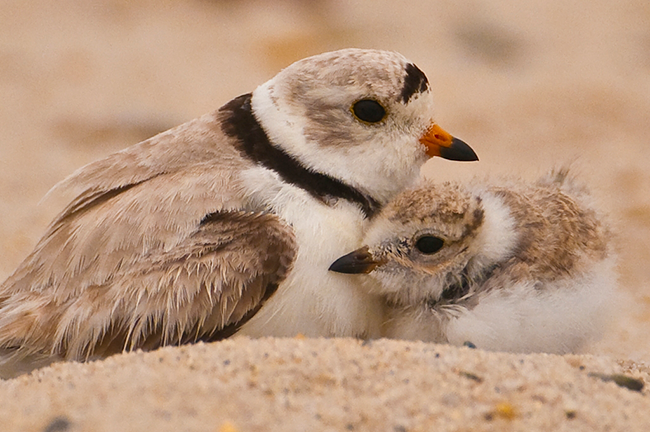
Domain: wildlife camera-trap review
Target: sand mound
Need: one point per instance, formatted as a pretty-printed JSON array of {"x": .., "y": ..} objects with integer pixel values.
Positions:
[{"x": 325, "y": 384}]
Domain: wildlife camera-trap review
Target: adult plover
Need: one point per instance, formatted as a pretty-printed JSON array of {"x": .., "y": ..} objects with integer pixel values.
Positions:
[
  {"x": 504, "y": 265},
  {"x": 229, "y": 222}
]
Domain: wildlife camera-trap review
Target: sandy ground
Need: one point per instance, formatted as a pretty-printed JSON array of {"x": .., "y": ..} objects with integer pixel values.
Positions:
[
  {"x": 528, "y": 84},
  {"x": 321, "y": 384}
]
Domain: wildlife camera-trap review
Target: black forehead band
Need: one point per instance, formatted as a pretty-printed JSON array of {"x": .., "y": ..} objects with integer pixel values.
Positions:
[{"x": 415, "y": 81}]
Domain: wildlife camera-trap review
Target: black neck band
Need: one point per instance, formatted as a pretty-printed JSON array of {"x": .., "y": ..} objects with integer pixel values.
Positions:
[{"x": 239, "y": 122}]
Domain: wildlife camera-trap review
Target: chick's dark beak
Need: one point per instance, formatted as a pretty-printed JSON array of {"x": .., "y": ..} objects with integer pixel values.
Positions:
[{"x": 359, "y": 261}]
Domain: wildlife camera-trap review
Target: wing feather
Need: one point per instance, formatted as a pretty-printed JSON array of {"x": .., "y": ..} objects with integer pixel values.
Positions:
[
  {"x": 201, "y": 289},
  {"x": 154, "y": 250}
]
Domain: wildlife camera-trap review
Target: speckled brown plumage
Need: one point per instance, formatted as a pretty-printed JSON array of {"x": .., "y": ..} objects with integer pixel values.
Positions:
[{"x": 523, "y": 266}]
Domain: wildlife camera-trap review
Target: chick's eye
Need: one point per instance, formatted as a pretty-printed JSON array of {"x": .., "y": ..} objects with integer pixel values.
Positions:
[
  {"x": 369, "y": 111},
  {"x": 429, "y": 244}
]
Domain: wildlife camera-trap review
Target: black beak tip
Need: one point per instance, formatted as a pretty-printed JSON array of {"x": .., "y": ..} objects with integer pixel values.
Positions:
[
  {"x": 356, "y": 262},
  {"x": 343, "y": 265},
  {"x": 458, "y": 151}
]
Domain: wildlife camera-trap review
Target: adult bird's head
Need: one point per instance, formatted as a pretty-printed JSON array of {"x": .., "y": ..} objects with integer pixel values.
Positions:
[{"x": 364, "y": 117}]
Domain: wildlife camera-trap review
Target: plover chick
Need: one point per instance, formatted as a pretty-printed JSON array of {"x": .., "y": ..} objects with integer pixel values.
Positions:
[
  {"x": 504, "y": 265},
  {"x": 229, "y": 222}
]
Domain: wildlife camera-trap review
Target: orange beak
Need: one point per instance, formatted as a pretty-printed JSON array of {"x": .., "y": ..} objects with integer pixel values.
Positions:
[{"x": 440, "y": 143}]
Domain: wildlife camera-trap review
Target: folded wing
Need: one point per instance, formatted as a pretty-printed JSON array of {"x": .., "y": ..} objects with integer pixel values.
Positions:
[{"x": 202, "y": 288}]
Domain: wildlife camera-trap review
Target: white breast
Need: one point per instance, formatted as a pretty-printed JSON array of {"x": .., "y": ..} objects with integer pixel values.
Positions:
[
  {"x": 312, "y": 300},
  {"x": 559, "y": 318}
]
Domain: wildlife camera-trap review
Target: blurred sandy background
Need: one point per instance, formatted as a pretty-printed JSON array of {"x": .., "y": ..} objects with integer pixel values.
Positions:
[{"x": 528, "y": 84}]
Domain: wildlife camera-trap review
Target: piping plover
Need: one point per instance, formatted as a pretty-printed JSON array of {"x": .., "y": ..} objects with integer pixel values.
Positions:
[
  {"x": 505, "y": 265},
  {"x": 185, "y": 236}
]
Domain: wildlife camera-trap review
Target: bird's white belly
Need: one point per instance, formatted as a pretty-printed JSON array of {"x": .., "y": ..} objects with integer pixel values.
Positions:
[
  {"x": 312, "y": 300},
  {"x": 560, "y": 319}
]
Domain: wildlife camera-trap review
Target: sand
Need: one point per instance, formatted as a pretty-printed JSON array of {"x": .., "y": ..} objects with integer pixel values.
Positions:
[
  {"x": 529, "y": 85},
  {"x": 324, "y": 384}
]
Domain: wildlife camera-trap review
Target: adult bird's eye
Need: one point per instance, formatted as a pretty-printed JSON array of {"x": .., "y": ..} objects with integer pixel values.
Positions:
[
  {"x": 369, "y": 111},
  {"x": 429, "y": 244}
]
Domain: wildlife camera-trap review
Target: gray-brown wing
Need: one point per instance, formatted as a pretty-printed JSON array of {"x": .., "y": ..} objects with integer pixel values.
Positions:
[
  {"x": 190, "y": 144},
  {"x": 202, "y": 288}
]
